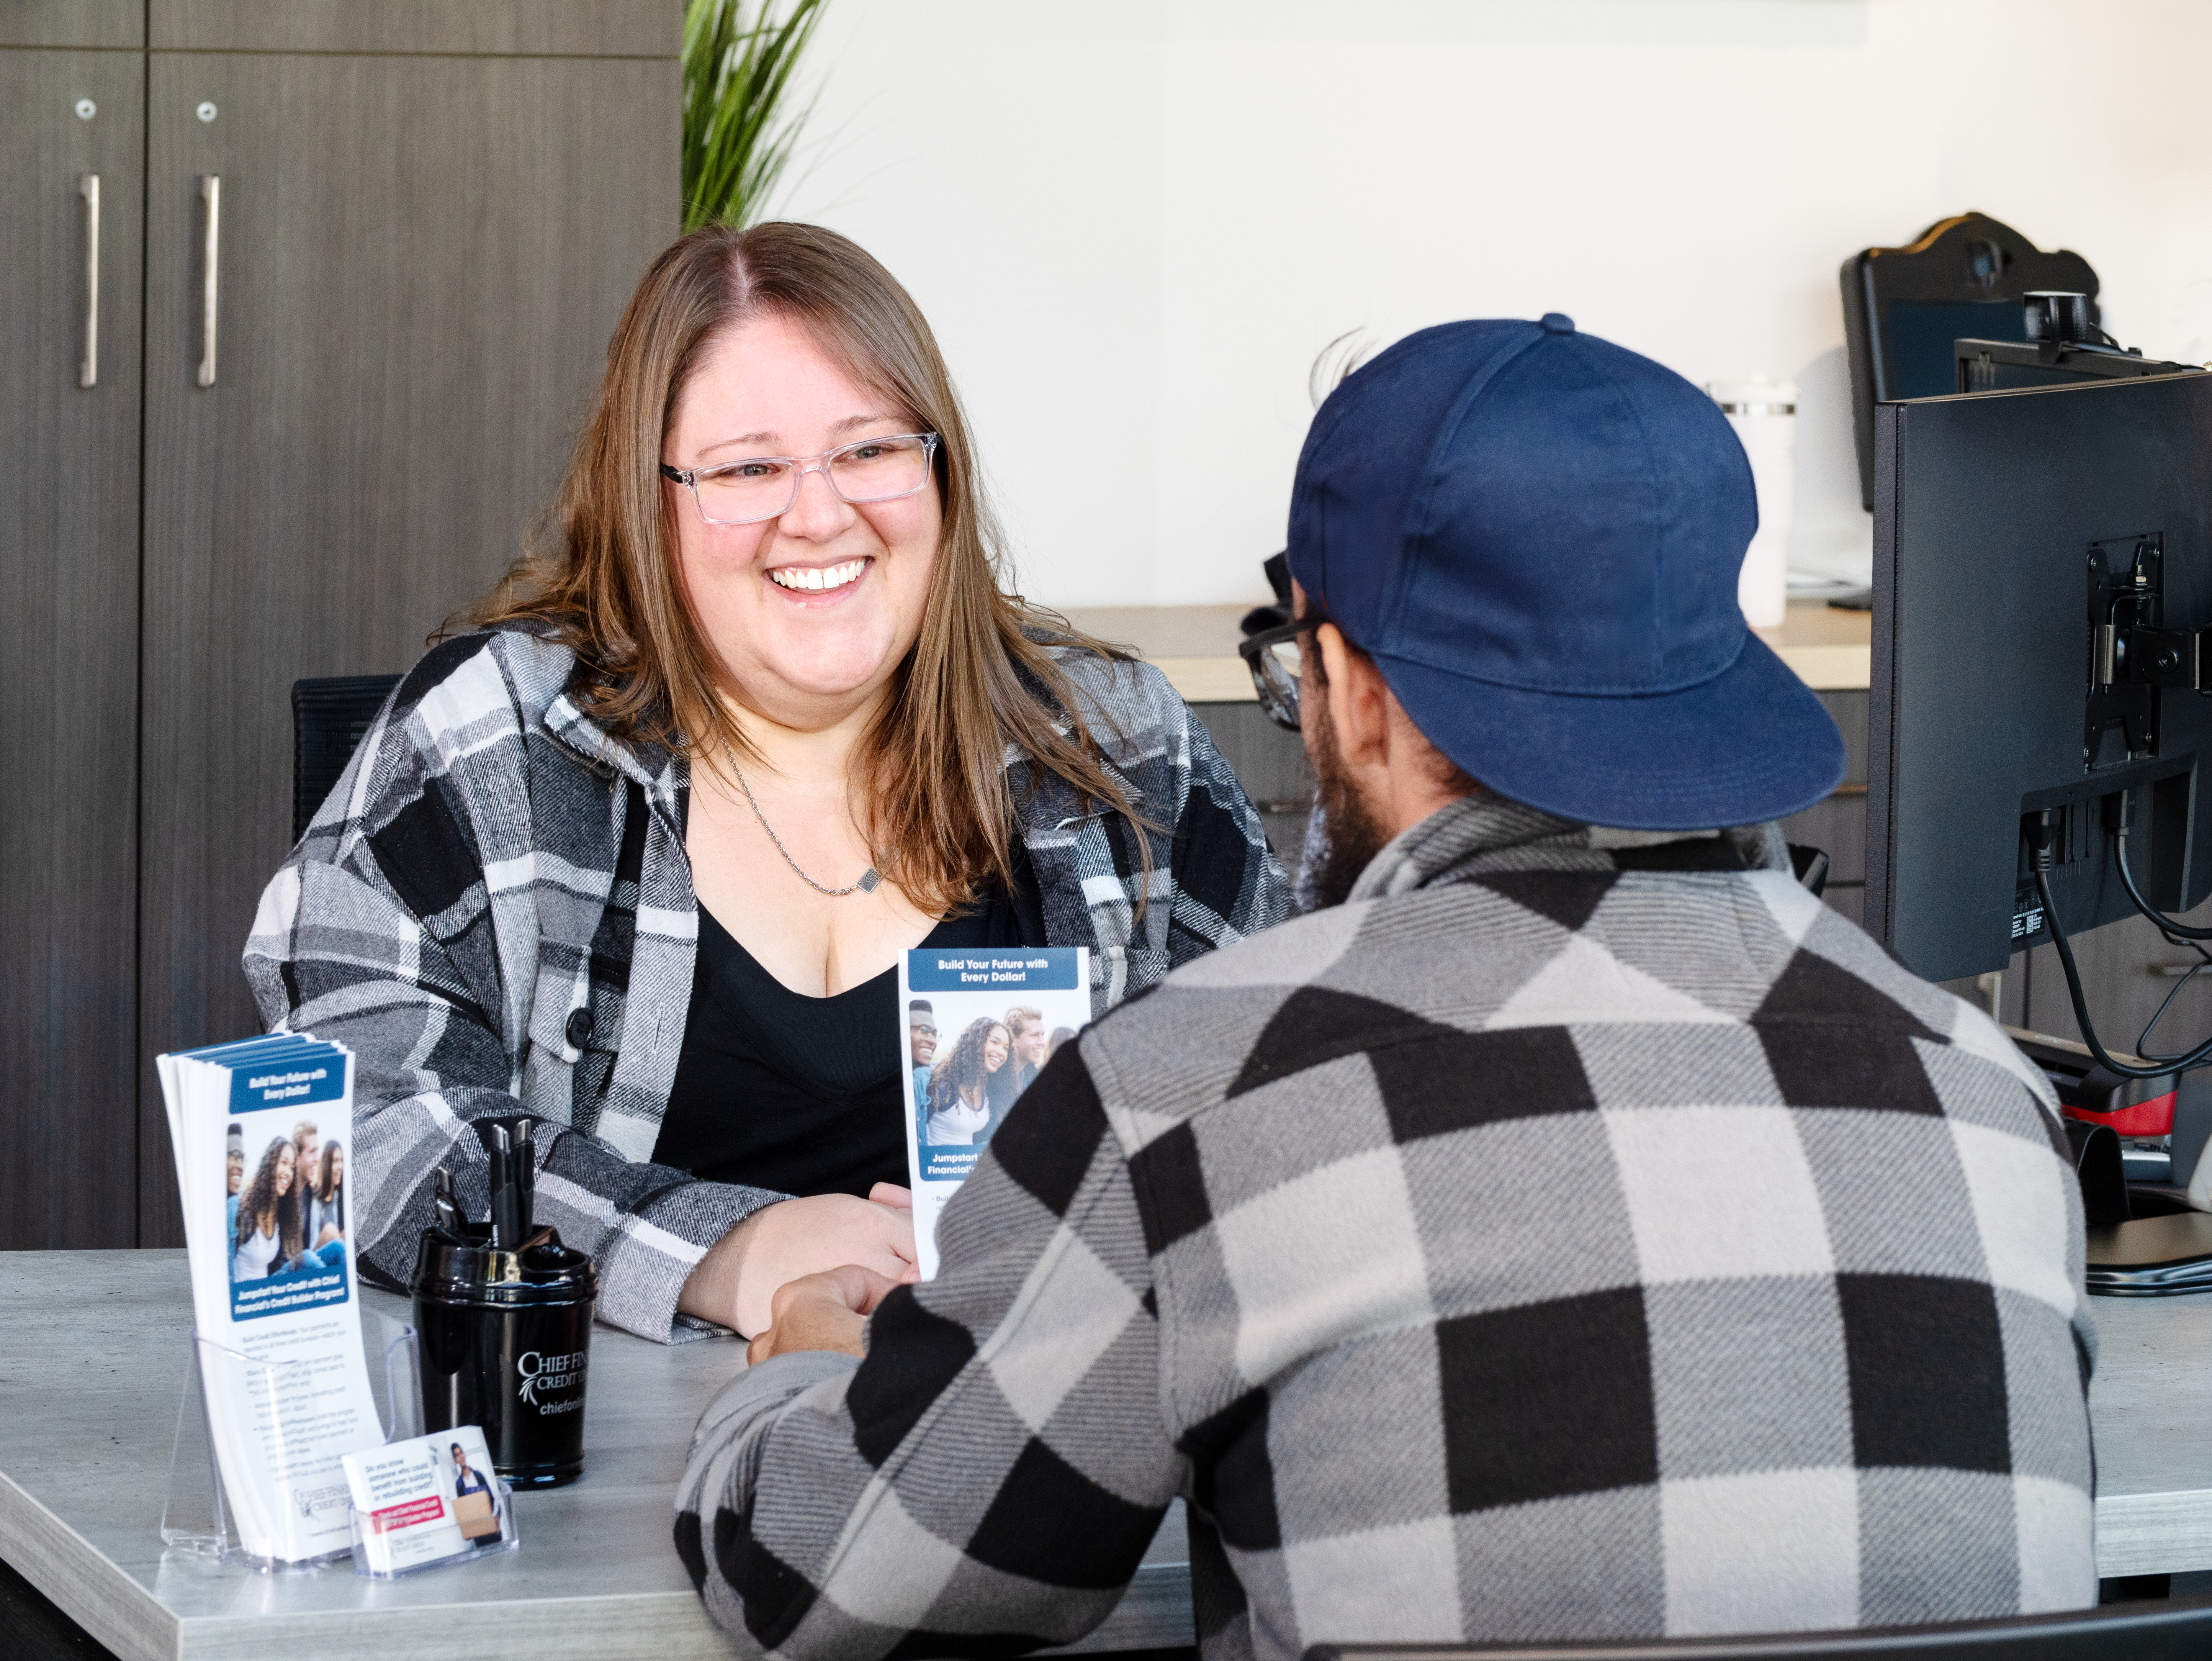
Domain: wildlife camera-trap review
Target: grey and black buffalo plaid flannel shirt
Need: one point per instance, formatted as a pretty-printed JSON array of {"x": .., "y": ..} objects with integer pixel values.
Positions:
[
  {"x": 1560, "y": 1240},
  {"x": 479, "y": 915}
]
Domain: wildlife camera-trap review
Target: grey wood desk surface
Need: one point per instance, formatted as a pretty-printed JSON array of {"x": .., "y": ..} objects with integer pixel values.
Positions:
[
  {"x": 2150, "y": 1404},
  {"x": 92, "y": 1354},
  {"x": 91, "y": 1360}
]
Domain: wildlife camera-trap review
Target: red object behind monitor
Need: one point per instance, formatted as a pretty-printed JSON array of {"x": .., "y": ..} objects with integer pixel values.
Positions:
[{"x": 2154, "y": 1117}]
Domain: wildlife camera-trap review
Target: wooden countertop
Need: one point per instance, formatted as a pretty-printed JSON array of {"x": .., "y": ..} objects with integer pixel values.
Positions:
[
  {"x": 1195, "y": 645},
  {"x": 1831, "y": 651}
]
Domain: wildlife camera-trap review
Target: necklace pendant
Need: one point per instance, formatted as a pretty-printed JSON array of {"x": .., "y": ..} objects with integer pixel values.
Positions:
[{"x": 869, "y": 877}]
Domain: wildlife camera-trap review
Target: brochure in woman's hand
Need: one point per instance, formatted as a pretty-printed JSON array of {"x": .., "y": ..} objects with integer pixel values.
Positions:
[
  {"x": 979, "y": 1025},
  {"x": 261, "y": 1129}
]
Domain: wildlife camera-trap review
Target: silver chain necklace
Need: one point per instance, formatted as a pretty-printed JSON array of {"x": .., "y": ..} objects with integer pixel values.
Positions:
[{"x": 869, "y": 877}]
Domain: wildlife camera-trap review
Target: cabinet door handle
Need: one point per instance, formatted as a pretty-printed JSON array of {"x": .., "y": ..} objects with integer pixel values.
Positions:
[
  {"x": 88, "y": 371},
  {"x": 211, "y": 194}
]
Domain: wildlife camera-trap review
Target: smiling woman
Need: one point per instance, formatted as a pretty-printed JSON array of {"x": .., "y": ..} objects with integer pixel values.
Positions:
[{"x": 637, "y": 853}]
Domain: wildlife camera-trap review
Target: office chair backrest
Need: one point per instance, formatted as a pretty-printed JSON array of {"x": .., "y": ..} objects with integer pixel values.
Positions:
[
  {"x": 328, "y": 719},
  {"x": 2150, "y": 1631}
]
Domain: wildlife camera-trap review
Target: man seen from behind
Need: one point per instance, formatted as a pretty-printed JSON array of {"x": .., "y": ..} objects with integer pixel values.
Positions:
[{"x": 1572, "y": 1228}]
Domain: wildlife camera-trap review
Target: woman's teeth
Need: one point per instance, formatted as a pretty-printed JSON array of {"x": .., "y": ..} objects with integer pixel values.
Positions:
[{"x": 817, "y": 577}]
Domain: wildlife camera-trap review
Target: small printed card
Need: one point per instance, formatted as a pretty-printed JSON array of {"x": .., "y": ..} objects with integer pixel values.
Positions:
[
  {"x": 424, "y": 1501},
  {"x": 976, "y": 1026}
]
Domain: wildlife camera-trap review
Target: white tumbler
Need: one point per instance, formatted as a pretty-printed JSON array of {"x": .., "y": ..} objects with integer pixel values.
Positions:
[{"x": 1765, "y": 416}]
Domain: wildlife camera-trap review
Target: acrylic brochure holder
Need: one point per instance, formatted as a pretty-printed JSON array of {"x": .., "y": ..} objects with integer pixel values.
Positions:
[{"x": 197, "y": 1515}]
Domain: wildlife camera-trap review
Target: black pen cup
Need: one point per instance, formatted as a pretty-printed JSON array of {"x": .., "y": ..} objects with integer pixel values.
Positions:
[{"x": 505, "y": 1342}]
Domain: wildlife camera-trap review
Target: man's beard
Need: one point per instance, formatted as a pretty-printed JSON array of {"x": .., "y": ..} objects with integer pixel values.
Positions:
[{"x": 1342, "y": 836}]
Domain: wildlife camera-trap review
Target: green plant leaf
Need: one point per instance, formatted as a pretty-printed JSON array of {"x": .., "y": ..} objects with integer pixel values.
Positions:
[{"x": 739, "y": 119}]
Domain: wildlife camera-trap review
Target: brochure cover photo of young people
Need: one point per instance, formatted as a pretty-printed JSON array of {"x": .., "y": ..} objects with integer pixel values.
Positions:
[{"x": 979, "y": 1026}]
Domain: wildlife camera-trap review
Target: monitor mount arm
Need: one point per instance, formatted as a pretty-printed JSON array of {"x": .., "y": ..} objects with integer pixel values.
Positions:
[
  {"x": 2134, "y": 656},
  {"x": 2179, "y": 658}
]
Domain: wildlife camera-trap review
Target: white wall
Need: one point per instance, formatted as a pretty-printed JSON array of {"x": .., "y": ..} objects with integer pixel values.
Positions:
[{"x": 1133, "y": 225}]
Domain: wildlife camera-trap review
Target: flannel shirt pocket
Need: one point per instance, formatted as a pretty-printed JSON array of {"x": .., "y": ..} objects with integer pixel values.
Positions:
[
  {"x": 552, "y": 1004},
  {"x": 1121, "y": 971}
]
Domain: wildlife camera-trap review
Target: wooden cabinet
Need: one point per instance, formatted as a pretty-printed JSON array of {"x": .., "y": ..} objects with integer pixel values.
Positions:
[
  {"x": 2128, "y": 969},
  {"x": 1271, "y": 765},
  {"x": 419, "y": 262},
  {"x": 71, "y": 113},
  {"x": 427, "y": 220},
  {"x": 1838, "y": 825}
]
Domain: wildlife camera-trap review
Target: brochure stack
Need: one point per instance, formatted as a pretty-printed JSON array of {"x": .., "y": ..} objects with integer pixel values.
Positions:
[{"x": 261, "y": 1130}]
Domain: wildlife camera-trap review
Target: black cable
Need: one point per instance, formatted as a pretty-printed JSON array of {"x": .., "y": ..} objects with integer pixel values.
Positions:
[
  {"x": 2173, "y": 930},
  {"x": 2039, "y": 853},
  {"x": 2143, "y": 1040},
  {"x": 2194, "y": 1058}
]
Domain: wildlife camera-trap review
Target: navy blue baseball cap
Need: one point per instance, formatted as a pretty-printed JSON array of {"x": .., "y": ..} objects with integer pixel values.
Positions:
[{"x": 1536, "y": 534}]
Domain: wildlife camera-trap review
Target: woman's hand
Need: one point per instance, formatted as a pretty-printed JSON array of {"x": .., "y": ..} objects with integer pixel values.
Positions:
[
  {"x": 821, "y": 1311},
  {"x": 735, "y": 1283}
]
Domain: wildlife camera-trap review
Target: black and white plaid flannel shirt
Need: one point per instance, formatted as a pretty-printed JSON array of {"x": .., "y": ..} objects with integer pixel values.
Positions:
[
  {"x": 1574, "y": 1235},
  {"x": 477, "y": 913}
]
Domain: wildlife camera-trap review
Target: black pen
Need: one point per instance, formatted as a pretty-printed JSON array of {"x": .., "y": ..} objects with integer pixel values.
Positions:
[
  {"x": 525, "y": 1178},
  {"x": 448, "y": 1207},
  {"x": 500, "y": 1180}
]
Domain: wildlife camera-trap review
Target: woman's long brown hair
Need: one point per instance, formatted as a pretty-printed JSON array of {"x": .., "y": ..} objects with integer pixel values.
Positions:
[
  {"x": 262, "y": 1200},
  {"x": 964, "y": 1067},
  {"x": 930, "y": 784}
]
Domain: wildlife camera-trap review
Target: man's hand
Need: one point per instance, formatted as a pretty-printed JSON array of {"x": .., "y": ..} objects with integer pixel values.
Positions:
[
  {"x": 821, "y": 1311},
  {"x": 734, "y": 1283}
]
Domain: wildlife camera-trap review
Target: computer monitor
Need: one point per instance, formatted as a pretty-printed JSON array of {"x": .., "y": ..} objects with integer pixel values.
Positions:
[
  {"x": 2043, "y": 559},
  {"x": 1903, "y": 307},
  {"x": 2009, "y": 365}
]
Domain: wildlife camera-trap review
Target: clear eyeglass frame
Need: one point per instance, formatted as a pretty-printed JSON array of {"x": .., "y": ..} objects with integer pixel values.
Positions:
[
  {"x": 1272, "y": 655},
  {"x": 801, "y": 466}
]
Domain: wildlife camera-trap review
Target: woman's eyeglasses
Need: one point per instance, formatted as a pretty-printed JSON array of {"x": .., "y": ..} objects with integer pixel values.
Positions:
[
  {"x": 1272, "y": 655},
  {"x": 764, "y": 487}
]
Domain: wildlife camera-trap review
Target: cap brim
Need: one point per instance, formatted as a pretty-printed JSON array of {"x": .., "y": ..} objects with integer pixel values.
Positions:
[{"x": 1751, "y": 744}]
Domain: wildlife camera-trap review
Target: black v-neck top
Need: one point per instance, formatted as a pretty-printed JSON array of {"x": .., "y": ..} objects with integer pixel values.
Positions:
[{"x": 805, "y": 1095}]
